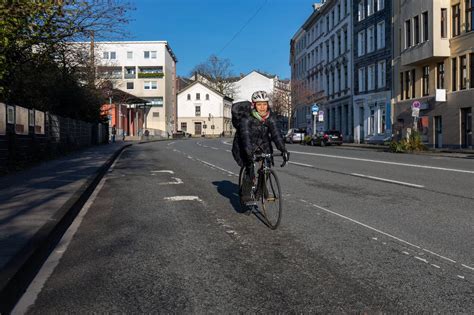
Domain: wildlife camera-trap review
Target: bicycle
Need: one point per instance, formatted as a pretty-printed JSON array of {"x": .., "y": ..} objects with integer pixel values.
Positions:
[{"x": 266, "y": 191}]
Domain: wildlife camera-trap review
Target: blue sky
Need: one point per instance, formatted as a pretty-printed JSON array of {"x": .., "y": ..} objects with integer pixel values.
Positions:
[{"x": 195, "y": 29}]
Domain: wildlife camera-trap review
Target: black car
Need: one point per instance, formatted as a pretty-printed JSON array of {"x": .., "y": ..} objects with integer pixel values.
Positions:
[{"x": 327, "y": 138}]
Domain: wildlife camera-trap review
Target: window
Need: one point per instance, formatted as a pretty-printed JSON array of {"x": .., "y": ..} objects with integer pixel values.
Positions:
[
  {"x": 370, "y": 7},
  {"x": 207, "y": 97},
  {"x": 338, "y": 12},
  {"x": 361, "y": 13},
  {"x": 184, "y": 126},
  {"x": 129, "y": 85},
  {"x": 454, "y": 76},
  {"x": 413, "y": 83},
  {"x": 346, "y": 45},
  {"x": 407, "y": 34},
  {"x": 440, "y": 76},
  {"x": 381, "y": 82},
  {"x": 361, "y": 79},
  {"x": 426, "y": 80},
  {"x": 10, "y": 115},
  {"x": 469, "y": 15},
  {"x": 157, "y": 102},
  {"x": 105, "y": 55},
  {"x": 339, "y": 46},
  {"x": 371, "y": 78},
  {"x": 456, "y": 20},
  {"x": 333, "y": 18},
  {"x": 471, "y": 70},
  {"x": 129, "y": 54},
  {"x": 150, "y": 85},
  {"x": 333, "y": 53},
  {"x": 380, "y": 5},
  {"x": 371, "y": 39},
  {"x": 381, "y": 35},
  {"x": 407, "y": 85},
  {"x": 197, "y": 111},
  {"x": 361, "y": 43},
  {"x": 346, "y": 77},
  {"x": 149, "y": 54},
  {"x": 401, "y": 87},
  {"x": 198, "y": 96},
  {"x": 425, "y": 26},
  {"x": 416, "y": 29},
  {"x": 113, "y": 55},
  {"x": 31, "y": 117},
  {"x": 189, "y": 97},
  {"x": 444, "y": 23},
  {"x": 463, "y": 72}
]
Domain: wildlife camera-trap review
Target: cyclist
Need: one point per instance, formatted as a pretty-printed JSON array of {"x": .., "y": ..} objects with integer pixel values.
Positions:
[{"x": 257, "y": 131}]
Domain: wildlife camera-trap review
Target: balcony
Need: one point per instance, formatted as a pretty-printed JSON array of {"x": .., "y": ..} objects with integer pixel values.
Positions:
[
  {"x": 426, "y": 52},
  {"x": 109, "y": 72},
  {"x": 150, "y": 72}
]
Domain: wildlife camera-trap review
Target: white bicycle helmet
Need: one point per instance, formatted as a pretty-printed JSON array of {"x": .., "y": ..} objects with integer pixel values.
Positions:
[{"x": 260, "y": 96}]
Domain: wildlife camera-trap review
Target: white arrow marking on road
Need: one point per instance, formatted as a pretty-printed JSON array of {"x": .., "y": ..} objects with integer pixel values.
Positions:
[
  {"x": 388, "y": 180},
  {"x": 176, "y": 182},
  {"x": 163, "y": 171},
  {"x": 225, "y": 142},
  {"x": 183, "y": 198},
  {"x": 385, "y": 162}
]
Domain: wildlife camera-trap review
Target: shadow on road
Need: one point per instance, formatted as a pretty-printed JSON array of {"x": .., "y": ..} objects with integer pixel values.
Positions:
[{"x": 229, "y": 190}]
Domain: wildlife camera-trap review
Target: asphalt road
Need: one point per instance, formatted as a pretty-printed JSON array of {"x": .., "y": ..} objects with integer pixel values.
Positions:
[{"x": 362, "y": 231}]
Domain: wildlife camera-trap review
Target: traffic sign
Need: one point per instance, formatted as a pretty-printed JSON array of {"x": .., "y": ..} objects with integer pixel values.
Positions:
[
  {"x": 415, "y": 112},
  {"x": 416, "y": 104},
  {"x": 321, "y": 115},
  {"x": 315, "y": 108}
]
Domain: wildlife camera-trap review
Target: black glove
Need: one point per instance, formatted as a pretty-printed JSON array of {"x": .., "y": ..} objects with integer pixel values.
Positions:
[{"x": 286, "y": 157}]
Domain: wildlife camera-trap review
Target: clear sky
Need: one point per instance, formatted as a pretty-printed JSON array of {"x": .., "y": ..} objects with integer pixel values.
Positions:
[{"x": 195, "y": 29}]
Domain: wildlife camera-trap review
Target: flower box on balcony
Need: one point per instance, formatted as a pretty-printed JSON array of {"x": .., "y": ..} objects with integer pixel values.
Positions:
[{"x": 145, "y": 75}]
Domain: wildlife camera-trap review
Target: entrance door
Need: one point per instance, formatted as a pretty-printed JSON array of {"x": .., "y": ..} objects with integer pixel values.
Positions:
[
  {"x": 361, "y": 124},
  {"x": 197, "y": 128},
  {"x": 466, "y": 127},
  {"x": 438, "y": 136}
]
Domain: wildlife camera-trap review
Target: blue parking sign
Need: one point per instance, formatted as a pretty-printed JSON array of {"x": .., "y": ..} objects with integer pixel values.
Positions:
[{"x": 315, "y": 108}]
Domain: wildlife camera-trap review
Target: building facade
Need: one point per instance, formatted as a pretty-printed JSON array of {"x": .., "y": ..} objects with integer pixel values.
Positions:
[
  {"x": 372, "y": 55},
  {"x": 321, "y": 68},
  {"x": 434, "y": 63},
  {"x": 148, "y": 71},
  {"x": 203, "y": 111}
]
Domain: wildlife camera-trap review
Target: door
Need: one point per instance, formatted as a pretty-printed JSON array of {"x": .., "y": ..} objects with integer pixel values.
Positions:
[
  {"x": 197, "y": 128},
  {"x": 361, "y": 124},
  {"x": 466, "y": 127},
  {"x": 438, "y": 137}
]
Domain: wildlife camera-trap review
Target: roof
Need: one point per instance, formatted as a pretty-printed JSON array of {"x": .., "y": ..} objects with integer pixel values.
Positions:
[
  {"x": 206, "y": 86},
  {"x": 126, "y": 98}
]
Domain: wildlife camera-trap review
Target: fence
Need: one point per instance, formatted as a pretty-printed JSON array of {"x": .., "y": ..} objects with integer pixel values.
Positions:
[{"x": 28, "y": 135}]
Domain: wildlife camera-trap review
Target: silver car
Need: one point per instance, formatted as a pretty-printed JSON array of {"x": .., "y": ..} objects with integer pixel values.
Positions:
[{"x": 294, "y": 135}]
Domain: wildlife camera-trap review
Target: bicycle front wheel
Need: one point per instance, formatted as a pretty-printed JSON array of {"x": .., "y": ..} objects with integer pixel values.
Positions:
[{"x": 271, "y": 199}]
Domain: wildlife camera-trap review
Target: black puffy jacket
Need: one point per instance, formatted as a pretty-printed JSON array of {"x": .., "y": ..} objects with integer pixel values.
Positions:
[{"x": 253, "y": 133}]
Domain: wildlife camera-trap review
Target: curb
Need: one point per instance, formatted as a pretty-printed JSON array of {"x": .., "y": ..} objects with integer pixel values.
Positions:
[{"x": 20, "y": 271}]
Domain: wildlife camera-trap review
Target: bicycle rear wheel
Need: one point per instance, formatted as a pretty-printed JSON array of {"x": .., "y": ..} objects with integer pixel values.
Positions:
[{"x": 271, "y": 199}]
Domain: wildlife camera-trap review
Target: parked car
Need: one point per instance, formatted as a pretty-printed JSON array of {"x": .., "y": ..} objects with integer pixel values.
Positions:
[
  {"x": 294, "y": 135},
  {"x": 181, "y": 134},
  {"x": 380, "y": 138},
  {"x": 327, "y": 138}
]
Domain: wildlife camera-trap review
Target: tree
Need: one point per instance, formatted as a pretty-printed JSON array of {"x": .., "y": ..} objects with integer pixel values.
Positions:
[
  {"x": 302, "y": 95},
  {"x": 281, "y": 99},
  {"x": 38, "y": 66},
  {"x": 219, "y": 73}
]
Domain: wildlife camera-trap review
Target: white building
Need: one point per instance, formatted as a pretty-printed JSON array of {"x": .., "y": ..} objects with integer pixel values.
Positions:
[
  {"x": 204, "y": 111},
  {"x": 146, "y": 69},
  {"x": 254, "y": 81}
]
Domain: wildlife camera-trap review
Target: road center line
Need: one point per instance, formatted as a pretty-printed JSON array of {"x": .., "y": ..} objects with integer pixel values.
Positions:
[
  {"x": 163, "y": 171},
  {"x": 388, "y": 180},
  {"x": 183, "y": 198},
  {"x": 217, "y": 167},
  {"x": 385, "y": 162}
]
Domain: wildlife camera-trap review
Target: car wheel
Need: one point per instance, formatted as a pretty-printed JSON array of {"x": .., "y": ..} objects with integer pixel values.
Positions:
[{"x": 323, "y": 144}]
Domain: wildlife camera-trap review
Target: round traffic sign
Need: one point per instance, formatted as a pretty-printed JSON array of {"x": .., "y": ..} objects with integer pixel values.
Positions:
[
  {"x": 416, "y": 104},
  {"x": 315, "y": 108}
]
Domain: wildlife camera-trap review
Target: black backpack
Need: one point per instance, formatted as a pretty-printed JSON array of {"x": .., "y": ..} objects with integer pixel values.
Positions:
[{"x": 239, "y": 111}]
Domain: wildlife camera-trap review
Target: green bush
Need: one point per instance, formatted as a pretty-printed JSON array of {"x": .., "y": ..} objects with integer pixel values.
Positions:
[
  {"x": 307, "y": 139},
  {"x": 413, "y": 143}
]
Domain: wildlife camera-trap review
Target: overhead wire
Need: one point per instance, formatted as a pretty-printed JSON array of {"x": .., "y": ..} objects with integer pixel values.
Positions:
[{"x": 242, "y": 28}]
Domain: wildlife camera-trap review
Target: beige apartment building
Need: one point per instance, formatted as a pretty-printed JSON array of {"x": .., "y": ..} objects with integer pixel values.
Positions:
[{"x": 433, "y": 70}]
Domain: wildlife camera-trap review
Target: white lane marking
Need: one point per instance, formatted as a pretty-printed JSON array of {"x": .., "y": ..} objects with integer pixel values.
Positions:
[
  {"x": 462, "y": 277},
  {"x": 388, "y": 180},
  {"x": 170, "y": 143},
  {"x": 446, "y": 258},
  {"x": 436, "y": 266},
  {"x": 214, "y": 148},
  {"x": 300, "y": 164},
  {"x": 29, "y": 297},
  {"x": 228, "y": 151},
  {"x": 225, "y": 142},
  {"x": 384, "y": 233},
  {"x": 163, "y": 171},
  {"x": 386, "y": 162},
  {"x": 183, "y": 198},
  {"x": 422, "y": 259},
  {"x": 406, "y": 253},
  {"x": 360, "y": 223},
  {"x": 468, "y": 267},
  {"x": 217, "y": 167},
  {"x": 177, "y": 181},
  {"x": 205, "y": 146}
]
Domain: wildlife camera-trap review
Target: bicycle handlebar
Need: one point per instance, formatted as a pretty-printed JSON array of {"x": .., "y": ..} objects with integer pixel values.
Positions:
[{"x": 259, "y": 156}]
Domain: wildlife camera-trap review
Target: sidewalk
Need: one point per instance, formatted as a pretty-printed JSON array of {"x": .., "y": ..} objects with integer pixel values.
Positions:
[{"x": 37, "y": 206}]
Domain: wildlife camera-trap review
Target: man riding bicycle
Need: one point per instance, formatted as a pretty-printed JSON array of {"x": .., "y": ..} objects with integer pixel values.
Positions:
[{"x": 256, "y": 131}]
